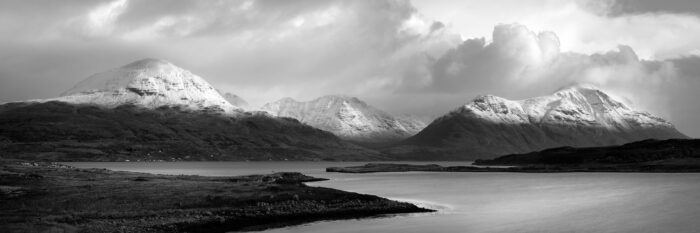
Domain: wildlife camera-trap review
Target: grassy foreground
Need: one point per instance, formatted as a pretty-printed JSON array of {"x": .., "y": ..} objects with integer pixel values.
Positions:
[{"x": 50, "y": 197}]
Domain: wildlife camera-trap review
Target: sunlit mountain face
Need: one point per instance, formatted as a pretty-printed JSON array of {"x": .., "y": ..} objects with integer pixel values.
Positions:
[
  {"x": 578, "y": 116},
  {"x": 347, "y": 117}
]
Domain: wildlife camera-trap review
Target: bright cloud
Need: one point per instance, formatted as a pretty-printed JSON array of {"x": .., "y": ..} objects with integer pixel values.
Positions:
[
  {"x": 100, "y": 21},
  {"x": 585, "y": 26}
]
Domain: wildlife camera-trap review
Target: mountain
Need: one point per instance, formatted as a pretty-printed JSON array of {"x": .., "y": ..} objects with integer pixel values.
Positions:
[
  {"x": 236, "y": 100},
  {"x": 153, "y": 110},
  {"x": 347, "y": 117},
  {"x": 149, "y": 83},
  {"x": 579, "y": 116},
  {"x": 59, "y": 131}
]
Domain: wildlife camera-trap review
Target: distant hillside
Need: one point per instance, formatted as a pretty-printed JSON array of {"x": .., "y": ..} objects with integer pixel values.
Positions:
[
  {"x": 58, "y": 131},
  {"x": 649, "y": 152}
]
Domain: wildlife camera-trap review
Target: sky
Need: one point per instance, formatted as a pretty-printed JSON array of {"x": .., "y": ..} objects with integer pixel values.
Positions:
[{"x": 419, "y": 57}]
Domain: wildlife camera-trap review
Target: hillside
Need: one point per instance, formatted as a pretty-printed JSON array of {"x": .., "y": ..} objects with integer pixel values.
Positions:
[
  {"x": 57, "y": 131},
  {"x": 647, "y": 152}
]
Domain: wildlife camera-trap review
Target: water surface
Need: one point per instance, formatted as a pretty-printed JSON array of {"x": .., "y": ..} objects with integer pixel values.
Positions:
[{"x": 489, "y": 202}]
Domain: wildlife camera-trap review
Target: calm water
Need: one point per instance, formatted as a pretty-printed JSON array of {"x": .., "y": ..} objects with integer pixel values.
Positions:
[{"x": 489, "y": 202}]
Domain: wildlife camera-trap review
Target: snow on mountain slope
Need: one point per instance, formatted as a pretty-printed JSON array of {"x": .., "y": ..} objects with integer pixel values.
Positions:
[
  {"x": 149, "y": 83},
  {"x": 577, "y": 116},
  {"x": 578, "y": 105},
  {"x": 346, "y": 117}
]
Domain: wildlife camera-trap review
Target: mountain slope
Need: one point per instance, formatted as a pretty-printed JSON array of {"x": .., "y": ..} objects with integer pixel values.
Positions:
[
  {"x": 346, "y": 117},
  {"x": 489, "y": 126},
  {"x": 59, "y": 131},
  {"x": 153, "y": 110},
  {"x": 149, "y": 83}
]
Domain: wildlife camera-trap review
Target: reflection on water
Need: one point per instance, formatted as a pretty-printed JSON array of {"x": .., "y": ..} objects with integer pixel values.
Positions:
[{"x": 490, "y": 202}]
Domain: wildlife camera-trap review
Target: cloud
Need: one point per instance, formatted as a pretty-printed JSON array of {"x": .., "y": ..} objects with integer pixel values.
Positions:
[
  {"x": 515, "y": 50},
  {"x": 585, "y": 26},
  {"x": 520, "y": 63},
  {"x": 263, "y": 50}
]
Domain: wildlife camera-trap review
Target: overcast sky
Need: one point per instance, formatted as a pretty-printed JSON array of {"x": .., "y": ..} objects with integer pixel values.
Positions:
[{"x": 420, "y": 57}]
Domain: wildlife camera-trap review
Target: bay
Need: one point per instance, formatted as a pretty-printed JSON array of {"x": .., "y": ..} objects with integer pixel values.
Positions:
[{"x": 486, "y": 202}]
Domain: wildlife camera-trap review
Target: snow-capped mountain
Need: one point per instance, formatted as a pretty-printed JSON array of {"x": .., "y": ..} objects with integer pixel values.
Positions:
[
  {"x": 235, "y": 100},
  {"x": 577, "y": 116},
  {"x": 149, "y": 83},
  {"x": 347, "y": 117},
  {"x": 134, "y": 124}
]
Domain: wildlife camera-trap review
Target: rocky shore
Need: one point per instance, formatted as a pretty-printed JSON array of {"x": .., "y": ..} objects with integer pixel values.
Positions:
[{"x": 50, "y": 197}]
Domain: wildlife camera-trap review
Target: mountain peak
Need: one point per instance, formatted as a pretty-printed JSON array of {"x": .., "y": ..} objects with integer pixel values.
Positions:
[
  {"x": 598, "y": 99},
  {"x": 579, "y": 115},
  {"x": 488, "y": 99},
  {"x": 149, "y": 83},
  {"x": 347, "y": 117},
  {"x": 490, "y": 105},
  {"x": 576, "y": 105},
  {"x": 339, "y": 98},
  {"x": 148, "y": 63},
  {"x": 579, "y": 87}
]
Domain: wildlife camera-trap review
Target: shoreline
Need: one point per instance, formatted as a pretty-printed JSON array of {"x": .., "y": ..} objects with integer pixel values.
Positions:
[
  {"x": 622, "y": 168},
  {"x": 37, "y": 196}
]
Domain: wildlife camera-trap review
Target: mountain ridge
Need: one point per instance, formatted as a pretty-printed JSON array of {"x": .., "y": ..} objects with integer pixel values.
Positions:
[
  {"x": 347, "y": 117},
  {"x": 152, "y": 110},
  {"x": 488, "y": 126}
]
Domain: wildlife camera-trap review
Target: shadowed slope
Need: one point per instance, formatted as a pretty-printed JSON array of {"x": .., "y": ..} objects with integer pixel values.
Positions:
[{"x": 64, "y": 132}]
